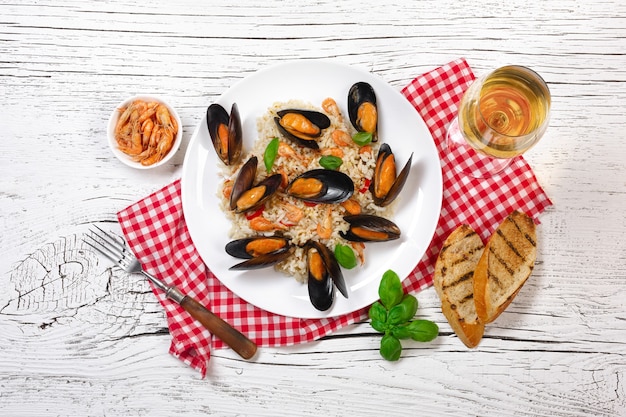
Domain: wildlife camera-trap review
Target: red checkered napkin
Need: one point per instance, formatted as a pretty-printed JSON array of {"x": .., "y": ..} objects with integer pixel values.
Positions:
[{"x": 156, "y": 231}]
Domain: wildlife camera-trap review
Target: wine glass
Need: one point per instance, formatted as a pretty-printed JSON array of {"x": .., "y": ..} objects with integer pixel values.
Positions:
[{"x": 502, "y": 115}]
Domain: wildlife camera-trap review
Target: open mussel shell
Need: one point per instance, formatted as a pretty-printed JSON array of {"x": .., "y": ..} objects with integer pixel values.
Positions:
[
  {"x": 385, "y": 185},
  {"x": 302, "y": 126},
  {"x": 246, "y": 196},
  {"x": 260, "y": 251},
  {"x": 323, "y": 271},
  {"x": 321, "y": 186},
  {"x": 362, "y": 108},
  {"x": 226, "y": 132},
  {"x": 370, "y": 228}
]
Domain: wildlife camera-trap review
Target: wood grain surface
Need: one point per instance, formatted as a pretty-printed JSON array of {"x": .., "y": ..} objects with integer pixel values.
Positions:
[{"x": 79, "y": 338}]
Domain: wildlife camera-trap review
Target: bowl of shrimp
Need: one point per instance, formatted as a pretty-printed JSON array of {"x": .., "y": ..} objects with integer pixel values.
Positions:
[{"x": 144, "y": 131}]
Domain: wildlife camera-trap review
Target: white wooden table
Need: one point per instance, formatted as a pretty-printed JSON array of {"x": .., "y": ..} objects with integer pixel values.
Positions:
[{"x": 76, "y": 343}]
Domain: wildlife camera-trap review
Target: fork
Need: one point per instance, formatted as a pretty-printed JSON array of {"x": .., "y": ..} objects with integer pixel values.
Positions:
[{"x": 117, "y": 252}]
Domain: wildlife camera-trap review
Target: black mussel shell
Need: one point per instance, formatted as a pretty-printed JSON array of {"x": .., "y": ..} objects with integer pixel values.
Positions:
[
  {"x": 262, "y": 261},
  {"x": 245, "y": 248},
  {"x": 386, "y": 199},
  {"x": 359, "y": 94},
  {"x": 216, "y": 116},
  {"x": 320, "y": 120},
  {"x": 370, "y": 228},
  {"x": 336, "y": 187},
  {"x": 270, "y": 185},
  {"x": 320, "y": 283},
  {"x": 243, "y": 182},
  {"x": 332, "y": 266}
]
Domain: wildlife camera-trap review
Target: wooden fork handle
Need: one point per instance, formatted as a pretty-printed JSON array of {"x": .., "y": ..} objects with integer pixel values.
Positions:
[{"x": 245, "y": 347}]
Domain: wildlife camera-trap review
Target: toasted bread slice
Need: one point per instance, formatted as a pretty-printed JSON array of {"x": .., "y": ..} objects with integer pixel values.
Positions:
[
  {"x": 453, "y": 281},
  {"x": 505, "y": 265}
]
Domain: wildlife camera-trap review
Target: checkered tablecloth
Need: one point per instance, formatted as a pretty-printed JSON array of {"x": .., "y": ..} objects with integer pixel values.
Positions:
[{"x": 155, "y": 229}]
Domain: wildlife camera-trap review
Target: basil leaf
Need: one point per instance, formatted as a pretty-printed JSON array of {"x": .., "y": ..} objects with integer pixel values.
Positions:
[
  {"x": 379, "y": 326},
  {"x": 270, "y": 154},
  {"x": 390, "y": 289},
  {"x": 390, "y": 347},
  {"x": 330, "y": 162},
  {"x": 362, "y": 138},
  {"x": 422, "y": 330},
  {"x": 401, "y": 332},
  {"x": 404, "y": 311},
  {"x": 345, "y": 256},
  {"x": 378, "y": 313}
]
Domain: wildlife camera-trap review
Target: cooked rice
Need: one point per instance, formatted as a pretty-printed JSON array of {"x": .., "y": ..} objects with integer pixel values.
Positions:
[{"x": 358, "y": 166}]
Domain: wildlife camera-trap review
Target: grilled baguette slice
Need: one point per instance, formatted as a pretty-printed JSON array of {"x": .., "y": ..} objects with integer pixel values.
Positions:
[
  {"x": 505, "y": 265},
  {"x": 453, "y": 281}
]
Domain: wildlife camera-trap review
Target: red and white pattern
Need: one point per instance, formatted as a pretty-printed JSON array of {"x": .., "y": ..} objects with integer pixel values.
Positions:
[{"x": 157, "y": 233}]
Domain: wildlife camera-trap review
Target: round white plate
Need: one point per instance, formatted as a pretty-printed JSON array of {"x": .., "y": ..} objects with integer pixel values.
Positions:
[{"x": 416, "y": 214}]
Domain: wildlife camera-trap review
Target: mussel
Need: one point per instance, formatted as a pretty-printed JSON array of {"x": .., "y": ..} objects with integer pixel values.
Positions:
[
  {"x": 226, "y": 132},
  {"x": 385, "y": 185},
  {"x": 245, "y": 195},
  {"x": 370, "y": 228},
  {"x": 321, "y": 186},
  {"x": 362, "y": 109},
  {"x": 302, "y": 126},
  {"x": 260, "y": 251},
  {"x": 323, "y": 271}
]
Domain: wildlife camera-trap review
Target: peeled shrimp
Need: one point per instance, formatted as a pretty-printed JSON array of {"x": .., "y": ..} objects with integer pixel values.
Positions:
[
  {"x": 261, "y": 224},
  {"x": 324, "y": 229}
]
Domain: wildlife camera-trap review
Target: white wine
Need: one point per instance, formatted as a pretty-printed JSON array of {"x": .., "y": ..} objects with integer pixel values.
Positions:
[{"x": 507, "y": 113}]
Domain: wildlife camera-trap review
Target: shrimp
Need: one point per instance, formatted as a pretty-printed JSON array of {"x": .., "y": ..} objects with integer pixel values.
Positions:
[
  {"x": 261, "y": 224},
  {"x": 122, "y": 122},
  {"x": 293, "y": 213},
  {"x": 341, "y": 137},
  {"x": 228, "y": 189},
  {"x": 352, "y": 206},
  {"x": 162, "y": 148},
  {"x": 164, "y": 118},
  {"x": 325, "y": 229},
  {"x": 359, "y": 248},
  {"x": 287, "y": 151},
  {"x": 330, "y": 106},
  {"x": 365, "y": 149},
  {"x": 333, "y": 151},
  {"x": 146, "y": 129}
]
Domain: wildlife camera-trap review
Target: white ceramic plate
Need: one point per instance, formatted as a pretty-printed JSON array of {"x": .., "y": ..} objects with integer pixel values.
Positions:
[{"x": 416, "y": 214}]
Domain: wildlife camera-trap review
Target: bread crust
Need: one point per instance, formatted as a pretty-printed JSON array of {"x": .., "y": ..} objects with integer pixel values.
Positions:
[
  {"x": 453, "y": 282},
  {"x": 505, "y": 265}
]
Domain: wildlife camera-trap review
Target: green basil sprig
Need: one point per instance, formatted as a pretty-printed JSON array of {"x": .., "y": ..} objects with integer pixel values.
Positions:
[
  {"x": 345, "y": 256},
  {"x": 331, "y": 161},
  {"x": 270, "y": 154},
  {"x": 362, "y": 138},
  {"x": 393, "y": 315}
]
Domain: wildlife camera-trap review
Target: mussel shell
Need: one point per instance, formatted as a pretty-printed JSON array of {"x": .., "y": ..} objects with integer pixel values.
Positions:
[
  {"x": 216, "y": 115},
  {"x": 318, "y": 119},
  {"x": 237, "y": 248},
  {"x": 243, "y": 182},
  {"x": 388, "y": 229},
  {"x": 359, "y": 93},
  {"x": 321, "y": 291},
  {"x": 271, "y": 184},
  {"x": 382, "y": 201},
  {"x": 337, "y": 187},
  {"x": 262, "y": 261}
]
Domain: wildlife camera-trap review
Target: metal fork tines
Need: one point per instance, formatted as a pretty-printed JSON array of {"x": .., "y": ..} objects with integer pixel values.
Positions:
[{"x": 114, "y": 248}]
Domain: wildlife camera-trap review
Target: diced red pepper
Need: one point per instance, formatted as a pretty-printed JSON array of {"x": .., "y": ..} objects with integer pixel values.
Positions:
[
  {"x": 366, "y": 185},
  {"x": 310, "y": 204},
  {"x": 256, "y": 213}
]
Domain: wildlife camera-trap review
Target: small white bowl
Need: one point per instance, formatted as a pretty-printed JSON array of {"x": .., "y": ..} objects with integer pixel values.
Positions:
[{"x": 115, "y": 115}]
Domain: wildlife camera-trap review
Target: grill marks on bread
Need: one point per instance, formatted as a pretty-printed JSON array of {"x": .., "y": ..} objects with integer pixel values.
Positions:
[
  {"x": 505, "y": 266},
  {"x": 476, "y": 283},
  {"x": 453, "y": 281}
]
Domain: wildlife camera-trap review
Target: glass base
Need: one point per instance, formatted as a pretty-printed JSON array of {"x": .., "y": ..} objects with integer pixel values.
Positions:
[{"x": 469, "y": 161}]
